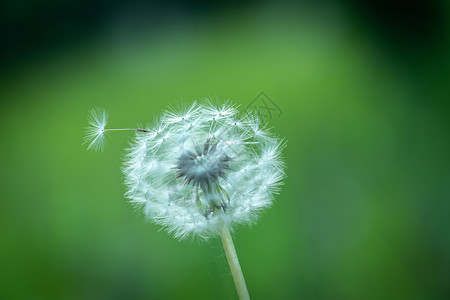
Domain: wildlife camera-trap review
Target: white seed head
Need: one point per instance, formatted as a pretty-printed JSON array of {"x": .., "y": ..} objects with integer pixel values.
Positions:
[
  {"x": 203, "y": 165},
  {"x": 95, "y": 132}
]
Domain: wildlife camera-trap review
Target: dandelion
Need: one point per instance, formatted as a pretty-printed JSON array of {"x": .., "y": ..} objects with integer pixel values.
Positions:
[{"x": 201, "y": 171}]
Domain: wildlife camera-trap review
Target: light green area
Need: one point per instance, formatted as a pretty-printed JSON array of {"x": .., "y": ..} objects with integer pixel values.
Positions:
[{"x": 363, "y": 213}]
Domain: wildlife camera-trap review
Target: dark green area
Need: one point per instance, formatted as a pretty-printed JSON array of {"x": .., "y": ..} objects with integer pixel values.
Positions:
[{"x": 364, "y": 213}]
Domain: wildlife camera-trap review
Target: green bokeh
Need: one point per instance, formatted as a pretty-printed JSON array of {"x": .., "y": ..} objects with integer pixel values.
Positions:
[{"x": 363, "y": 214}]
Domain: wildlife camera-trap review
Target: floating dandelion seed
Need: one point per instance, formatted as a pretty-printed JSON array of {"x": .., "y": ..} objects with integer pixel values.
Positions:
[
  {"x": 95, "y": 132},
  {"x": 200, "y": 171}
]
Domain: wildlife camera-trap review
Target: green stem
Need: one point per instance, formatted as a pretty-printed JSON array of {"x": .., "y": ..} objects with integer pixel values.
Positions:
[{"x": 233, "y": 261}]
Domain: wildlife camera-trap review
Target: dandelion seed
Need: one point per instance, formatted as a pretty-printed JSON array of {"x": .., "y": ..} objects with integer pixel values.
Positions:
[{"x": 95, "y": 132}]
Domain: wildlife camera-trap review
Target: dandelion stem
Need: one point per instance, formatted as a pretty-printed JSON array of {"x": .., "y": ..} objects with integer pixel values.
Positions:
[{"x": 233, "y": 261}]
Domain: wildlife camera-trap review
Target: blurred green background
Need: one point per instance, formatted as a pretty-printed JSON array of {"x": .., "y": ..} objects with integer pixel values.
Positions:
[{"x": 364, "y": 89}]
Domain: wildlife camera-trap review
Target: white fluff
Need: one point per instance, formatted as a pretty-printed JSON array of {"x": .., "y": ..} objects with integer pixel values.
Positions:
[
  {"x": 95, "y": 132},
  {"x": 200, "y": 165}
]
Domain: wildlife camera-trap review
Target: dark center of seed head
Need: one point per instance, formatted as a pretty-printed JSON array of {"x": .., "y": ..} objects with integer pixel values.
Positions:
[{"x": 203, "y": 167}]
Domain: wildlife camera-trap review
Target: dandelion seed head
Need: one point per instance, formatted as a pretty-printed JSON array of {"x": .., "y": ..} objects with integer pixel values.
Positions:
[{"x": 202, "y": 165}]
